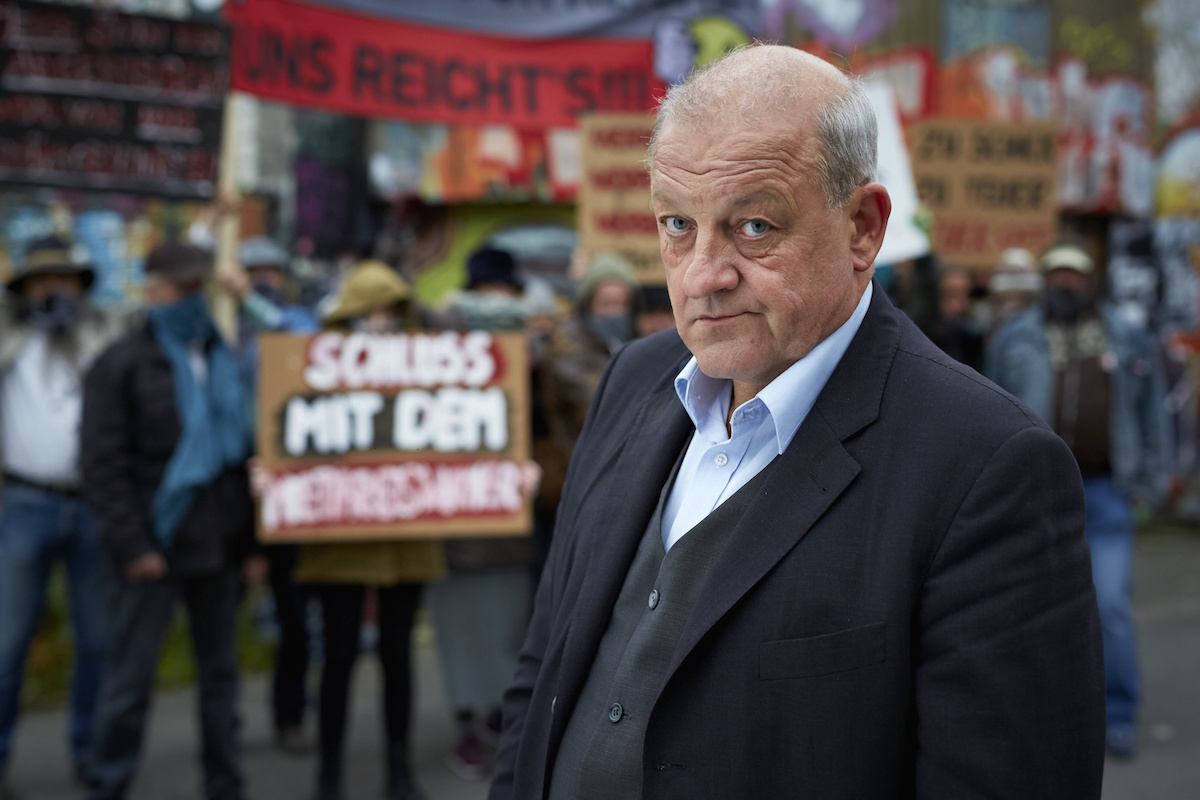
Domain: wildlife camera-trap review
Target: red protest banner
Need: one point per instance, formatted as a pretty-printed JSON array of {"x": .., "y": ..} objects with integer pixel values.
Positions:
[{"x": 365, "y": 66}]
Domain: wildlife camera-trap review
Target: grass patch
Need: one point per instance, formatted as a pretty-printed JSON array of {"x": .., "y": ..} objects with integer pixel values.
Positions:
[{"x": 51, "y": 654}]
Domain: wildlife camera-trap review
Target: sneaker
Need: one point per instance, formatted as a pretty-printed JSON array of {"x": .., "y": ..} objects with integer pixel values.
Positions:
[
  {"x": 468, "y": 760},
  {"x": 1121, "y": 741},
  {"x": 293, "y": 741}
]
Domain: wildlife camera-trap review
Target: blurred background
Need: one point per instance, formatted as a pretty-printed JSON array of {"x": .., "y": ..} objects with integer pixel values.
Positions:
[{"x": 416, "y": 135}]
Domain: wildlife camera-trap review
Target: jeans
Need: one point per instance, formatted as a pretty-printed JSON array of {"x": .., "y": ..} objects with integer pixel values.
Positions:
[
  {"x": 140, "y": 614},
  {"x": 1110, "y": 536},
  {"x": 36, "y": 528}
]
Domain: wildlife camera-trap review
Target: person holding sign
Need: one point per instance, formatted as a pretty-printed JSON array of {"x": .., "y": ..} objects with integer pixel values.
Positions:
[
  {"x": 372, "y": 298},
  {"x": 165, "y": 438},
  {"x": 801, "y": 552}
]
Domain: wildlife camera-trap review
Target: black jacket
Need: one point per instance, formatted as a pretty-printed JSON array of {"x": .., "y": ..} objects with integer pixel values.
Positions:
[
  {"x": 129, "y": 431},
  {"x": 905, "y": 610}
]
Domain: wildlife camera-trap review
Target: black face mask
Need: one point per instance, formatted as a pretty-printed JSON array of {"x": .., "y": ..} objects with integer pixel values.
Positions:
[
  {"x": 270, "y": 293},
  {"x": 56, "y": 315},
  {"x": 1063, "y": 305}
]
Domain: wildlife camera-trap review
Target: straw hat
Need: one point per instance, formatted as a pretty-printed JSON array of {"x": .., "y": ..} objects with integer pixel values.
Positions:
[{"x": 368, "y": 286}]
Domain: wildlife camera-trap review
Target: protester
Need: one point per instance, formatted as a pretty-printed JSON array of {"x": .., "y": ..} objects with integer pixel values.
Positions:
[
  {"x": 655, "y": 313},
  {"x": 1015, "y": 285},
  {"x": 262, "y": 287},
  {"x": 164, "y": 445},
  {"x": 954, "y": 331},
  {"x": 607, "y": 304},
  {"x": 1099, "y": 383},
  {"x": 481, "y": 608},
  {"x": 801, "y": 552},
  {"x": 49, "y": 336},
  {"x": 373, "y": 299}
]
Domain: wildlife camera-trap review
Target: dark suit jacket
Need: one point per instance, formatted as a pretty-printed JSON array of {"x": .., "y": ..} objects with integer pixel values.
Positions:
[{"x": 905, "y": 610}]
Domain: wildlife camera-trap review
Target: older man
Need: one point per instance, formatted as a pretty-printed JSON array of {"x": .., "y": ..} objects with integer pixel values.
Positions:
[{"x": 800, "y": 552}]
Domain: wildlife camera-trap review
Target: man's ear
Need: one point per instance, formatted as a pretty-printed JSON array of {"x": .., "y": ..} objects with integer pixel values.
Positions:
[{"x": 869, "y": 210}]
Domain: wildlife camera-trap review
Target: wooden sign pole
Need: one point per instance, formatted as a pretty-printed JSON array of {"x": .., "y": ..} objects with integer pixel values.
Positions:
[{"x": 226, "y": 222}]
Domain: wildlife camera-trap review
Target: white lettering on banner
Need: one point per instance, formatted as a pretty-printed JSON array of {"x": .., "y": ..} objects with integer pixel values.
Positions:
[
  {"x": 333, "y": 495},
  {"x": 334, "y": 424},
  {"x": 359, "y": 360},
  {"x": 451, "y": 420}
]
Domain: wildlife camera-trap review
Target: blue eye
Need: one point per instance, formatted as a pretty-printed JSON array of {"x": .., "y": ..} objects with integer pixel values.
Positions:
[
  {"x": 675, "y": 224},
  {"x": 755, "y": 227}
]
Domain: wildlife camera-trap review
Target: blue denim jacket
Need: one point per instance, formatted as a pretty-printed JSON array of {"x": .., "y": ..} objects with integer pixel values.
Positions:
[{"x": 1019, "y": 361}]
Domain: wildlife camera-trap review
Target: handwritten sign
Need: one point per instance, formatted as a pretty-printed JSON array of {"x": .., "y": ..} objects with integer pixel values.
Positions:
[
  {"x": 614, "y": 194},
  {"x": 393, "y": 436},
  {"x": 94, "y": 99},
  {"x": 990, "y": 186}
]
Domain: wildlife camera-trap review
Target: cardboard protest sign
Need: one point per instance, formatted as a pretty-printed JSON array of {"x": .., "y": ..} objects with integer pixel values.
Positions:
[
  {"x": 614, "y": 193},
  {"x": 990, "y": 186},
  {"x": 393, "y": 436}
]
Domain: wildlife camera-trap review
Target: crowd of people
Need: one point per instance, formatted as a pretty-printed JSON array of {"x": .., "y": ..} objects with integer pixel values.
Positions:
[{"x": 127, "y": 446}]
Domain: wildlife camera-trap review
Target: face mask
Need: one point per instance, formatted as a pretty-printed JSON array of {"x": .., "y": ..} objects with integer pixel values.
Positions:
[
  {"x": 612, "y": 330},
  {"x": 188, "y": 319},
  {"x": 55, "y": 315},
  {"x": 1063, "y": 305},
  {"x": 270, "y": 294}
]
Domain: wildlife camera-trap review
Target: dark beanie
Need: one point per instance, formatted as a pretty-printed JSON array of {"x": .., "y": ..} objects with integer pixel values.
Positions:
[
  {"x": 179, "y": 263},
  {"x": 490, "y": 265}
]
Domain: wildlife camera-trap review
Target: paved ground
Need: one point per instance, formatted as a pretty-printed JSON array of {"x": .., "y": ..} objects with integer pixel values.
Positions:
[{"x": 1167, "y": 769}]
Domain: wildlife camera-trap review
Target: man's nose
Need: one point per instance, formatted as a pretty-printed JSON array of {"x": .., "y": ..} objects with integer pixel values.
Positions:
[{"x": 711, "y": 269}]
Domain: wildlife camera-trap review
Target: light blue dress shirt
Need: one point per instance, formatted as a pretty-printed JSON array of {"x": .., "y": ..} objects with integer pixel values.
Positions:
[{"x": 718, "y": 463}]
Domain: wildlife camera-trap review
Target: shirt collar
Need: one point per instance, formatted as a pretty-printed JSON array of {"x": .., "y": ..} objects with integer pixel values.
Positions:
[{"x": 785, "y": 400}]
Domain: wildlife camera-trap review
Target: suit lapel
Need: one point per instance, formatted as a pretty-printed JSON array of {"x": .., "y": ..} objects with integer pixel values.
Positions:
[{"x": 807, "y": 478}]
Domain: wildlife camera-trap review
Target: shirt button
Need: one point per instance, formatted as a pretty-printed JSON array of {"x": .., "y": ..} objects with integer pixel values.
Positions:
[
  {"x": 721, "y": 459},
  {"x": 654, "y": 598},
  {"x": 615, "y": 713}
]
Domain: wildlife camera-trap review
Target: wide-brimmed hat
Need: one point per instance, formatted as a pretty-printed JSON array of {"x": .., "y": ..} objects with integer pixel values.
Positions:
[
  {"x": 366, "y": 287},
  {"x": 51, "y": 255}
]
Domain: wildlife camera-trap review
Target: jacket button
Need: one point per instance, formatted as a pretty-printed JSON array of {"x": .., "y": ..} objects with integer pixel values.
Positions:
[
  {"x": 615, "y": 713},
  {"x": 653, "y": 602}
]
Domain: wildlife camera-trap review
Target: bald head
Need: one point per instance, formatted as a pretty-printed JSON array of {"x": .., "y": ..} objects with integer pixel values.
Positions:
[{"x": 770, "y": 85}]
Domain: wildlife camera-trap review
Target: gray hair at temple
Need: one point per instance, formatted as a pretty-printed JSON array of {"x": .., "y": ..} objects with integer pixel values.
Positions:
[{"x": 845, "y": 123}]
